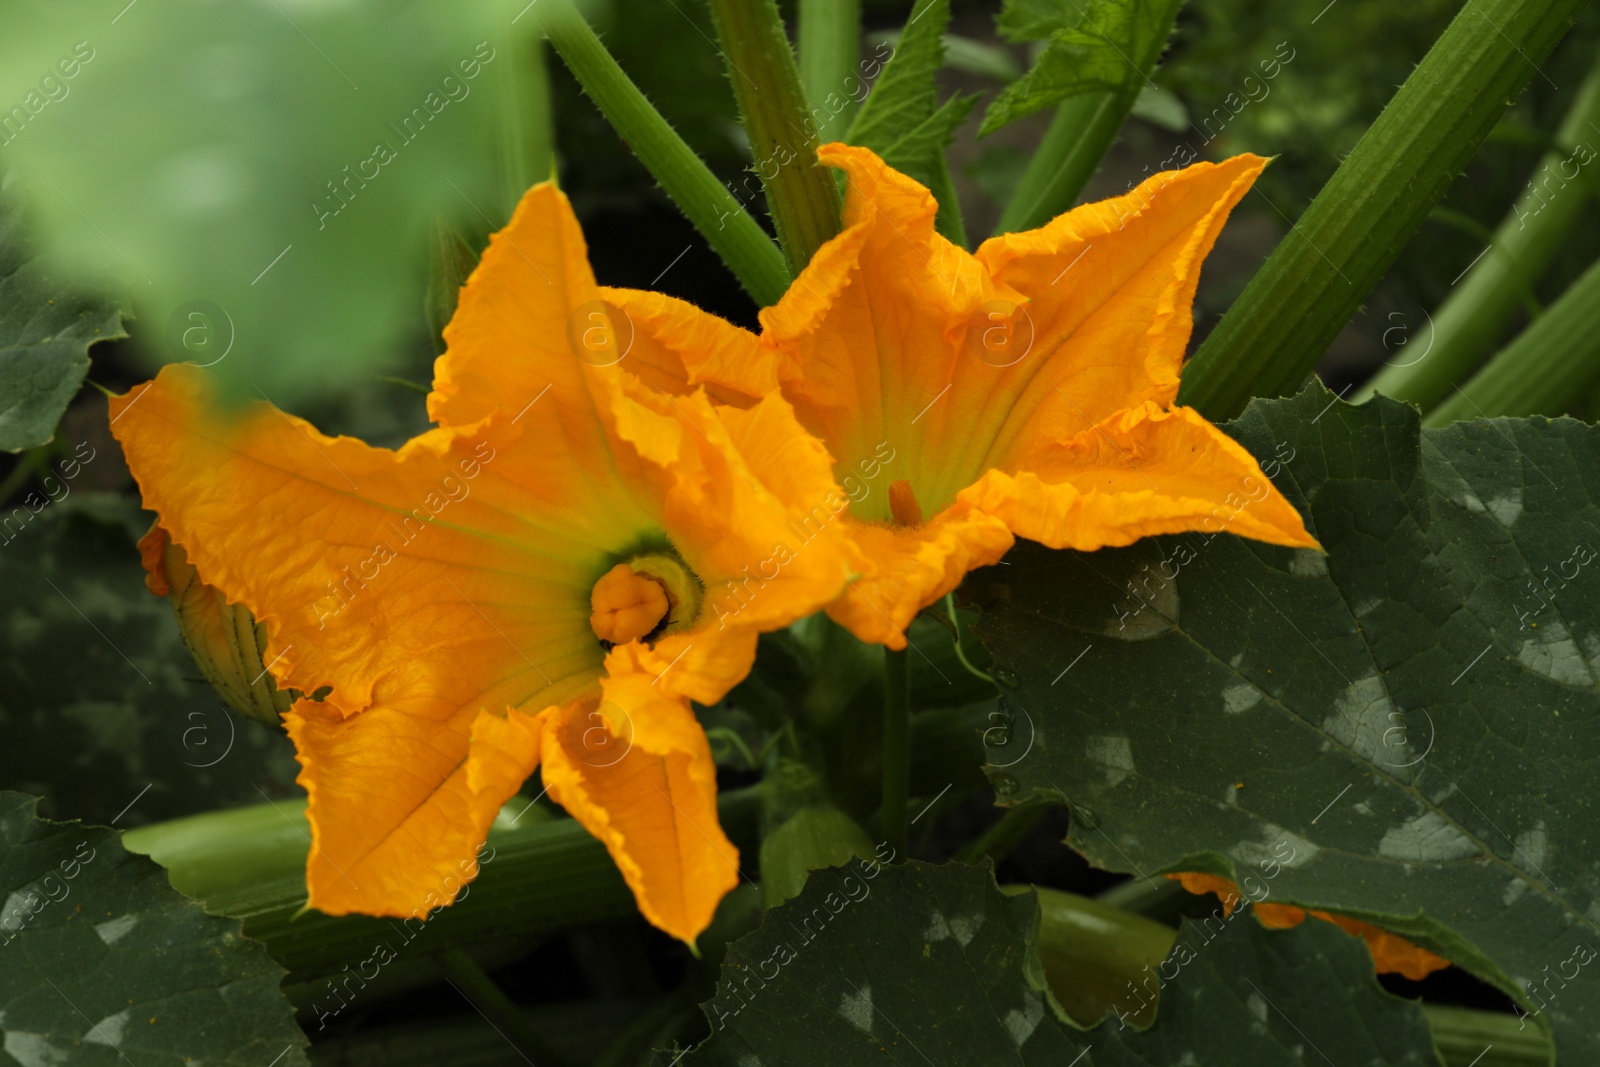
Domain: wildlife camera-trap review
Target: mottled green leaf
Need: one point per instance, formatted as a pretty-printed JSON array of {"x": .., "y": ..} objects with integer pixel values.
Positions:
[
  {"x": 1408, "y": 722},
  {"x": 933, "y": 964},
  {"x": 101, "y": 706},
  {"x": 105, "y": 963},
  {"x": 46, "y": 327}
]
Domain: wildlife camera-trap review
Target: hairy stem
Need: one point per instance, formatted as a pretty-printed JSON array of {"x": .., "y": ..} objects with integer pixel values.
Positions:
[
  {"x": 1318, "y": 276},
  {"x": 801, "y": 194},
  {"x": 730, "y": 230}
]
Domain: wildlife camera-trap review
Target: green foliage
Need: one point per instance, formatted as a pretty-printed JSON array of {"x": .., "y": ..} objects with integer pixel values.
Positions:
[
  {"x": 905, "y": 94},
  {"x": 814, "y": 837},
  {"x": 902, "y": 119},
  {"x": 101, "y": 705},
  {"x": 934, "y": 964},
  {"x": 46, "y": 327},
  {"x": 1099, "y": 45},
  {"x": 1383, "y": 190},
  {"x": 1385, "y": 728},
  {"x": 105, "y": 963}
]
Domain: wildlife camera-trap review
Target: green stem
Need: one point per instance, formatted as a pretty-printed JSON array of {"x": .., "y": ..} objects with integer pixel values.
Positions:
[
  {"x": 801, "y": 194},
  {"x": 1546, "y": 370},
  {"x": 894, "y": 817},
  {"x": 829, "y": 35},
  {"x": 1078, "y": 138},
  {"x": 730, "y": 230},
  {"x": 1466, "y": 326},
  {"x": 545, "y": 873},
  {"x": 1318, "y": 276},
  {"x": 249, "y": 864},
  {"x": 470, "y": 981},
  {"x": 1006, "y": 833},
  {"x": 1161, "y": 899},
  {"x": 1091, "y": 952},
  {"x": 1467, "y": 1038},
  {"x": 527, "y": 140}
]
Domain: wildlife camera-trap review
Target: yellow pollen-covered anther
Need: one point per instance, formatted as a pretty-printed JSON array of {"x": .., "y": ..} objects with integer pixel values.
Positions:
[{"x": 626, "y": 605}]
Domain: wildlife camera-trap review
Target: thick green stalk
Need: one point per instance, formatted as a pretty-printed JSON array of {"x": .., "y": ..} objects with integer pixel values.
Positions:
[
  {"x": 542, "y": 873},
  {"x": 527, "y": 124},
  {"x": 1078, "y": 138},
  {"x": 1467, "y": 1038},
  {"x": 469, "y": 980},
  {"x": 801, "y": 194},
  {"x": 1094, "y": 954},
  {"x": 249, "y": 864},
  {"x": 829, "y": 35},
  {"x": 1479, "y": 307},
  {"x": 730, "y": 230},
  {"x": 1318, "y": 276},
  {"x": 894, "y": 817},
  {"x": 1546, "y": 370}
]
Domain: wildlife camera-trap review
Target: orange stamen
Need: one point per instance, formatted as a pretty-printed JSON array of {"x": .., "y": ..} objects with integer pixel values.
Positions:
[
  {"x": 626, "y": 605},
  {"x": 903, "y": 504}
]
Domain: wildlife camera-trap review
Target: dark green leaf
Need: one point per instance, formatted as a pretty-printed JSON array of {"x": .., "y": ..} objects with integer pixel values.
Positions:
[
  {"x": 46, "y": 327},
  {"x": 935, "y": 965},
  {"x": 105, "y": 963},
  {"x": 905, "y": 93},
  {"x": 101, "y": 705},
  {"x": 1402, "y": 729},
  {"x": 1102, "y": 45}
]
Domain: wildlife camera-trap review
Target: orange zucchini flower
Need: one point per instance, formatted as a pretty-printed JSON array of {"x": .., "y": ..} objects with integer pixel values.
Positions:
[
  {"x": 1025, "y": 390},
  {"x": 1390, "y": 954},
  {"x": 535, "y": 581}
]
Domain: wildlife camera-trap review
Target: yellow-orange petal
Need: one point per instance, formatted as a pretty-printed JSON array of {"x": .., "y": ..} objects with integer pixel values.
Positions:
[
  {"x": 1279, "y": 916},
  {"x": 1199, "y": 883},
  {"x": 635, "y": 769},
  {"x": 531, "y": 318},
  {"x": 869, "y": 339},
  {"x": 1109, "y": 287},
  {"x": 227, "y": 643},
  {"x": 1139, "y": 473},
  {"x": 675, "y": 347},
  {"x": 909, "y": 568},
  {"x": 401, "y": 798},
  {"x": 422, "y": 586},
  {"x": 1391, "y": 954},
  {"x": 502, "y": 750},
  {"x": 751, "y": 502},
  {"x": 521, "y": 322}
]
